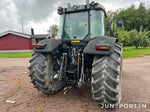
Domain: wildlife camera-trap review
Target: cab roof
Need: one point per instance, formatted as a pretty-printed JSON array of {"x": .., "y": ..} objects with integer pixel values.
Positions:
[{"x": 79, "y": 8}]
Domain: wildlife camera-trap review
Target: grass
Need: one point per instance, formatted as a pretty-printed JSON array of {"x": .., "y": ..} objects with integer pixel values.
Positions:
[
  {"x": 128, "y": 52},
  {"x": 16, "y": 54}
]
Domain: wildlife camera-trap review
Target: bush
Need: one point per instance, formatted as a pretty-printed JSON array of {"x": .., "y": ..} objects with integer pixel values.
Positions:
[
  {"x": 124, "y": 38},
  {"x": 140, "y": 38},
  {"x": 134, "y": 37}
]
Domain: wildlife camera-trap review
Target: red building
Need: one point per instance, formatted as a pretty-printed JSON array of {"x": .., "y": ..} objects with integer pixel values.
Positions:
[{"x": 11, "y": 41}]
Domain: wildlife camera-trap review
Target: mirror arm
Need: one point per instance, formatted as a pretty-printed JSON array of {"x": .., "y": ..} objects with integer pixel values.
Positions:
[{"x": 111, "y": 33}]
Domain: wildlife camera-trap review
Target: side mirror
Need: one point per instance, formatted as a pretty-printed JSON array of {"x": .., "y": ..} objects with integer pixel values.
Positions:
[{"x": 119, "y": 23}]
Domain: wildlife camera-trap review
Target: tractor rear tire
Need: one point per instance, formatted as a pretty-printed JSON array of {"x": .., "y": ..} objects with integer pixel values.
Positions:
[
  {"x": 106, "y": 78},
  {"x": 41, "y": 73}
]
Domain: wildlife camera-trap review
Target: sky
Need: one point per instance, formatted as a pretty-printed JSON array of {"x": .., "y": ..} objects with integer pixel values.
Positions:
[{"x": 41, "y": 14}]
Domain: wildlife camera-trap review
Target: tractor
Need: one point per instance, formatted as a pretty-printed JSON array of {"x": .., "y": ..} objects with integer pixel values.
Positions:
[{"x": 80, "y": 53}]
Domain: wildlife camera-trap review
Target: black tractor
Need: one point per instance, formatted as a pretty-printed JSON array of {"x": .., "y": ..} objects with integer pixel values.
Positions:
[{"x": 80, "y": 53}]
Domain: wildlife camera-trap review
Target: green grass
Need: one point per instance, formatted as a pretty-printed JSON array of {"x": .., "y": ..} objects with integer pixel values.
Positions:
[
  {"x": 128, "y": 52},
  {"x": 16, "y": 55}
]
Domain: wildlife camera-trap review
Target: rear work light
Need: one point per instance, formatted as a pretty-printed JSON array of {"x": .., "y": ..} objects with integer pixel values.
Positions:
[{"x": 102, "y": 48}]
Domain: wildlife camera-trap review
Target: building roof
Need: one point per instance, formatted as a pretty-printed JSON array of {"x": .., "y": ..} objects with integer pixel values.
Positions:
[
  {"x": 39, "y": 36},
  {"x": 15, "y": 33}
]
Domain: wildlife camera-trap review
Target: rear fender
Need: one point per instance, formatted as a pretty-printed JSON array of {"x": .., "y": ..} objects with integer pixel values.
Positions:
[
  {"x": 49, "y": 45},
  {"x": 100, "y": 41}
]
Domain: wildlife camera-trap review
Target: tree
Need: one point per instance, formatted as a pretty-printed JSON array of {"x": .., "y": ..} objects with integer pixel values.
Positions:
[
  {"x": 53, "y": 30},
  {"x": 128, "y": 15},
  {"x": 142, "y": 17},
  {"x": 135, "y": 18},
  {"x": 149, "y": 17}
]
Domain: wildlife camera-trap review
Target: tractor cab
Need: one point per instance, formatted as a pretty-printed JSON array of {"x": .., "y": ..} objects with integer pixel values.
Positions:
[{"x": 81, "y": 22}]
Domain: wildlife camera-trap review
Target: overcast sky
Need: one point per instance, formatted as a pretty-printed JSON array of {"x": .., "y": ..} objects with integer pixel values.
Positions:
[{"x": 40, "y": 14}]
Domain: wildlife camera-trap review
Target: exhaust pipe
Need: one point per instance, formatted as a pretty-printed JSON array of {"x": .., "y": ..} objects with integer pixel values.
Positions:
[{"x": 32, "y": 31}]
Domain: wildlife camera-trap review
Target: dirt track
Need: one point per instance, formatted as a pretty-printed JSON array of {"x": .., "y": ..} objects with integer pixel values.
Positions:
[{"x": 15, "y": 85}]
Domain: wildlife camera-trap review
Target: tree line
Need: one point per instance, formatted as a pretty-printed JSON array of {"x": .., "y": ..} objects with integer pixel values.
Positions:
[{"x": 136, "y": 26}]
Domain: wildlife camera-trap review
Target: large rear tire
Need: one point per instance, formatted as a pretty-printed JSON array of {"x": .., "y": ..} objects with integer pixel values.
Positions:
[
  {"x": 42, "y": 71},
  {"x": 106, "y": 78}
]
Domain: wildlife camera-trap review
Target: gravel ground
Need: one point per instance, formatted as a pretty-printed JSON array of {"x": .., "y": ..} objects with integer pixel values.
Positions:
[{"x": 15, "y": 86}]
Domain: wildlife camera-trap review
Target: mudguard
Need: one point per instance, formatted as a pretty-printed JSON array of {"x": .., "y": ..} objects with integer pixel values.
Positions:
[
  {"x": 49, "y": 45},
  {"x": 100, "y": 41}
]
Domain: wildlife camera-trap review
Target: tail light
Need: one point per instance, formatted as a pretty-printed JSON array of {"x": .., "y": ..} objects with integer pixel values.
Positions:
[
  {"x": 41, "y": 46},
  {"x": 102, "y": 48}
]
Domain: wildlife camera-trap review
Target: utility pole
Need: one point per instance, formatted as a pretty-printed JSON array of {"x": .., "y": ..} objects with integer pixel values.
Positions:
[{"x": 22, "y": 27}]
